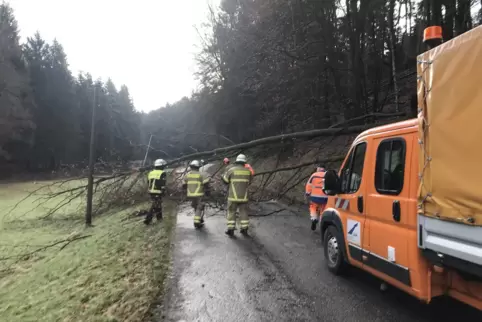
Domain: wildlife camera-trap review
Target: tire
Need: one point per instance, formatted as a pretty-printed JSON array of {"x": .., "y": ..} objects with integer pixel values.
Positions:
[{"x": 335, "y": 260}]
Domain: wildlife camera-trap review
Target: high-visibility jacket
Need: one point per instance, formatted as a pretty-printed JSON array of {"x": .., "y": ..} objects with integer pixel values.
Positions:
[
  {"x": 314, "y": 188},
  {"x": 238, "y": 177},
  {"x": 195, "y": 182},
  {"x": 248, "y": 166},
  {"x": 156, "y": 181}
]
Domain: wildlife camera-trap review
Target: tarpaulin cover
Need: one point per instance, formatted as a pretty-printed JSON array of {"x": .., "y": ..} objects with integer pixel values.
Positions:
[{"x": 450, "y": 129}]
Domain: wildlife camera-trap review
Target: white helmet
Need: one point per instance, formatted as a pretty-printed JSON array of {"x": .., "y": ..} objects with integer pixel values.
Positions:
[
  {"x": 194, "y": 164},
  {"x": 159, "y": 162},
  {"x": 241, "y": 158}
]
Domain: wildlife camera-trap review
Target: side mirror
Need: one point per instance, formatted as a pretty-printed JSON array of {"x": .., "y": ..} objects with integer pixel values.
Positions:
[{"x": 331, "y": 185}]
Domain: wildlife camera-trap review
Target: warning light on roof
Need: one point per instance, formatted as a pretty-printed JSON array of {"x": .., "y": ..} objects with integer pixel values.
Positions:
[{"x": 432, "y": 32}]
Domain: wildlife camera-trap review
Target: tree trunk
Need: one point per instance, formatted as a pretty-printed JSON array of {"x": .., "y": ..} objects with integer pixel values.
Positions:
[
  {"x": 427, "y": 12},
  {"x": 436, "y": 12},
  {"x": 392, "y": 51},
  {"x": 353, "y": 19},
  {"x": 449, "y": 20},
  {"x": 463, "y": 21},
  {"x": 278, "y": 138}
]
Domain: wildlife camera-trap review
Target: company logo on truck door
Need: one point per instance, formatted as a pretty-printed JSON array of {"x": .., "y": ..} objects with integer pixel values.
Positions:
[
  {"x": 353, "y": 231},
  {"x": 342, "y": 203}
]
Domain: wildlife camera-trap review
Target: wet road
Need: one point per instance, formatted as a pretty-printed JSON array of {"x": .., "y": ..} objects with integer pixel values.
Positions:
[{"x": 278, "y": 274}]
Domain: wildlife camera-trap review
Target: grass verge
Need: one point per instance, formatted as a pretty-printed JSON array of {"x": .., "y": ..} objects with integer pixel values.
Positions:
[{"x": 56, "y": 270}]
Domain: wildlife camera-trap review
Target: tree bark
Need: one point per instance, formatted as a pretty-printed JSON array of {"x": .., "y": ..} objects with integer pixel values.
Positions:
[
  {"x": 392, "y": 51},
  {"x": 277, "y": 138}
]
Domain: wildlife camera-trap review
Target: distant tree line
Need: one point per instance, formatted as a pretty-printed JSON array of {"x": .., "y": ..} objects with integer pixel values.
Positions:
[
  {"x": 45, "y": 111},
  {"x": 279, "y": 66},
  {"x": 265, "y": 68}
]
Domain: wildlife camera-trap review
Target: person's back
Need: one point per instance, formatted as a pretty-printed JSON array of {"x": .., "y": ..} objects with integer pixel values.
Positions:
[
  {"x": 196, "y": 184},
  {"x": 316, "y": 196},
  {"x": 157, "y": 181},
  {"x": 314, "y": 187},
  {"x": 238, "y": 177},
  {"x": 156, "y": 185}
]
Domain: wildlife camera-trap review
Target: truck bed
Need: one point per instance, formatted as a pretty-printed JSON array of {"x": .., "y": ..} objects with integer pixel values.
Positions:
[{"x": 450, "y": 133}]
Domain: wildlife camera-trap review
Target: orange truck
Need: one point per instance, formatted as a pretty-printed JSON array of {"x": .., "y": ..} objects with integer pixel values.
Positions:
[{"x": 406, "y": 205}]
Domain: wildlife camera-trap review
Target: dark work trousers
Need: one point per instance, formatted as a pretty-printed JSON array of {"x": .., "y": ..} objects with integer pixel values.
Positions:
[{"x": 156, "y": 208}]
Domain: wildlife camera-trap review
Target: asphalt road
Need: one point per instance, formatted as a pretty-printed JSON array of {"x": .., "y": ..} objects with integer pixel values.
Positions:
[{"x": 278, "y": 274}]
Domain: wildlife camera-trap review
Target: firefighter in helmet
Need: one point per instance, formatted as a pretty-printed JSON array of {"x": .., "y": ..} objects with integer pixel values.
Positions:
[
  {"x": 196, "y": 185},
  {"x": 238, "y": 177},
  {"x": 156, "y": 189}
]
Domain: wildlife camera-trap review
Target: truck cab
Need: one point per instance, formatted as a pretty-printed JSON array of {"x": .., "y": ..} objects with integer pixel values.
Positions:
[{"x": 406, "y": 205}]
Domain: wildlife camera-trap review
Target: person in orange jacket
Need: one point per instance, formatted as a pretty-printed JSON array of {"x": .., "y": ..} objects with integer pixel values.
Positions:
[{"x": 316, "y": 196}]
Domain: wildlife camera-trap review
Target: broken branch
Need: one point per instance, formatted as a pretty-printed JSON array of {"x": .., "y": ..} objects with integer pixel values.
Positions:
[{"x": 294, "y": 167}]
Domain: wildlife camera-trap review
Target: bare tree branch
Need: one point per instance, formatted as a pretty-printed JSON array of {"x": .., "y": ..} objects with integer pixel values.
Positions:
[
  {"x": 302, "y": 165},
  {"x": 64, "y": 242}
]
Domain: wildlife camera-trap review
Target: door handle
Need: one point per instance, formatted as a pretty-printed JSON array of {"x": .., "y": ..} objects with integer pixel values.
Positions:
[
  {"x": 359, "y": 204},
  {"x": 396, "y": 211}
]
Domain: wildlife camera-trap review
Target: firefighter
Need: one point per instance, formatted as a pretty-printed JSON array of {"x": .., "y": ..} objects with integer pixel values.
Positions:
[
  {"x": 156, "y": 188},
  {"x": 238, "y": 178},
  {"x": 315, "y": 195},
  {"x": 196, "y": 185}
]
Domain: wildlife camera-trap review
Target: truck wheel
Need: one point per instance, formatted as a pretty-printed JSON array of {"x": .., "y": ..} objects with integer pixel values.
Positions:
[{"x": 334, "y": 257}]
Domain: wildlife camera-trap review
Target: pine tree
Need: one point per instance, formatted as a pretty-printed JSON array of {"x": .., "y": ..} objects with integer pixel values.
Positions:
[
  {"x": 56, "y": 133},
  {"x": 16, "y": 102}
]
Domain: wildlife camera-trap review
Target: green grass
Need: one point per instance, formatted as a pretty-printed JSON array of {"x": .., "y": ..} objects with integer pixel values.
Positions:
[{"x": 114, "y": 274}]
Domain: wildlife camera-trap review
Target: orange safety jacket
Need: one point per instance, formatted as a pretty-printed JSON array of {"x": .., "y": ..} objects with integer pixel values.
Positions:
[
  {"x": 248, "y": 166},
  {"x": 314, "y": 188}
]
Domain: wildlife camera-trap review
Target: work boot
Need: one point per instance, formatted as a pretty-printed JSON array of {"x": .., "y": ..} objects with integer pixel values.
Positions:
[
  {"x": 159, "y": 216},
  {"x": 244, "y": 231},
  {"x": 229, "y": 232},
  {"x": 314, "y": 222},
  {"x": 148, "y": 218}
]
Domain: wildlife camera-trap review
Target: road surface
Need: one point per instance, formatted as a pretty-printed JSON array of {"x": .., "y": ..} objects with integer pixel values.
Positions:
[{"x": 277, "y": 274}]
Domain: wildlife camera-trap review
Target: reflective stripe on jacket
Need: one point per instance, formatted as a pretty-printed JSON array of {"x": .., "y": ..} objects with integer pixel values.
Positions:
[
  {"x": 314, "y": 187},
  {"x": 195, "y": 183},
  {"x": 238, "y": 178},
  {"x": 156, "y": 181}
]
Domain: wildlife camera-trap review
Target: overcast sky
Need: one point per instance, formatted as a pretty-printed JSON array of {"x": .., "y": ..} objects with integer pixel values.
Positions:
[{"x": 149, "y": 45}]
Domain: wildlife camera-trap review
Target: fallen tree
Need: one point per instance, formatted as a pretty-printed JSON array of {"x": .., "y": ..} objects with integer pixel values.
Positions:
[
  {"x": 123, "y": 188},
  {"x": 301, "y": 165},
  {"x": 272, "y": 139}
]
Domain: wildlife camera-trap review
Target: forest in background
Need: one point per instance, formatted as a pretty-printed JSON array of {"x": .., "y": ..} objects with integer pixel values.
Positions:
[{"x": 265, "y": 68}]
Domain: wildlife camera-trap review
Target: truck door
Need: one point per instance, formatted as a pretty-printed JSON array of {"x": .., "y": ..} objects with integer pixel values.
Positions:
[
  {"x": 387, "y": 209},
  {"x": 350, "y": 202}
]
